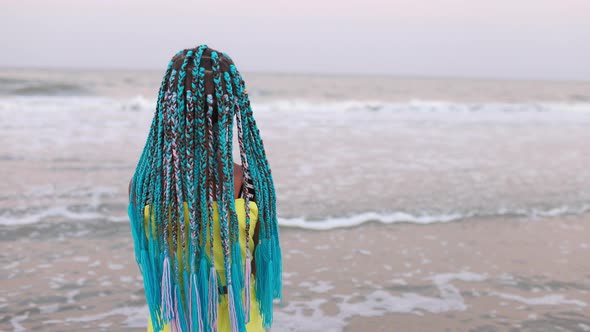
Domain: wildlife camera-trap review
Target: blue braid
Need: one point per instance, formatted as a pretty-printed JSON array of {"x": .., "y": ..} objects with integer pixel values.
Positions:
[
  {"x": 222, "y": 195},
  {"x": 179, "y": 161},
  {"x": 194, "y": 150},
  {"x": 187, "y": 159}
]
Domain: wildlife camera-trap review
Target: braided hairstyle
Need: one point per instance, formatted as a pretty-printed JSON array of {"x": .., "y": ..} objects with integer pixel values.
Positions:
[{"x": 185, "y": 172}]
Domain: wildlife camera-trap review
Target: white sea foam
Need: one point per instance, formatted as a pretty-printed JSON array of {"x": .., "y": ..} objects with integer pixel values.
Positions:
[
  {"x": 402, "y": 217},
  {"x": 553, "y": 299},
  {"x": 308, "y": 315},
  {"x": 63, "y": 213},
  {"x": 60, "y": 212},
  {"x": 143, "y": 104},
  {"x": 454, "y": 160},
  {"x": 49, "y": 308},
  {"x": 417, "y": 106},
  {"x": 319, "y": 286},
  {"x": 359, "y": 219},
  {"x": 16, "y": 320},
  {"x": 65, "y": 104}
]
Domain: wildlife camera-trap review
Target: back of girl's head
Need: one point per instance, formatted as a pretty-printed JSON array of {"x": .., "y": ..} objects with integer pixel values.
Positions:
[
  {"x": 186, "y": 167},
  {"x": 210, "y": 64}
]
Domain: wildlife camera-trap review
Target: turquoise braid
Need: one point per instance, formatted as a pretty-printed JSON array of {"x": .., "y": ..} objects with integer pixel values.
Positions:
[
  {"x": 147, "y": 172},
  {"x": 268, "y": 255},
  {"x": 155, "y": 189},
  {"x": 201, "y": 293},
  {"x": 213, "y": 186},
  {"x": 168, "y": 111},
  {"x": 143, "y": 180},
  {"x": 201, "y": 133},
  {"x": 237, "y": 266},
  {"x": 189, "y": 143},
  {"x": 180, "y": 164},
  {"x": 258, "y": 179},
  {"x": 270, "y": 210},
  {"x": 194, "y": 150},
  {"x": 187, "y": 159},
  {"x": 230, "y": 107},
  {"x": 232, "y": 266},
  {"x": 222, "y": 201}
]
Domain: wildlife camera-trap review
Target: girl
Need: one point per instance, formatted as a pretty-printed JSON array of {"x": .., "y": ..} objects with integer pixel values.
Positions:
[{"x": 205, "y": 228}]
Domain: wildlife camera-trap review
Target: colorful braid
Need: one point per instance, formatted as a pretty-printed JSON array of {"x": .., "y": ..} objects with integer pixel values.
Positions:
[{"x": 187, "y": 161}]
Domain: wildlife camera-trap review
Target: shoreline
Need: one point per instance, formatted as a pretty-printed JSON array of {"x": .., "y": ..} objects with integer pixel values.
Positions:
[{"x": 476, "y": 275}]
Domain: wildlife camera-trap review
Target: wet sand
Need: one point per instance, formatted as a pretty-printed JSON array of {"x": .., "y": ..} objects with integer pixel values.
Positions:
[{"x": 473, "y": 275}]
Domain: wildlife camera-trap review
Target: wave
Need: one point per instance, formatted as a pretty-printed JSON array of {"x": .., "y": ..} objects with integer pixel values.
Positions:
[
  {"x": 15, "y": 87},
  {"x": 67, "y": 104},
  {"x": 422, "y": 106},
  {"x": 142, "y": 104},
  {"x": 51, "y": 89},
  {"x": 63, "y": 213},
  {"x": 402, "y": 217},
  {"x": 9, "y": 218}
]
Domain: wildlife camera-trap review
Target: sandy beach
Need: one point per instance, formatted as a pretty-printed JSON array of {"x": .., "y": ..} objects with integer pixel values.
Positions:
[
  {"x": 465, "y": 210},
  {"x": 474, "y": 275},
  {"x": 430, "y": 160}
]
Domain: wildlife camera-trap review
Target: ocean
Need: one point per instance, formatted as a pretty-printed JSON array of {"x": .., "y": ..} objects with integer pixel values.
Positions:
[{"x": 353, "y": 158}]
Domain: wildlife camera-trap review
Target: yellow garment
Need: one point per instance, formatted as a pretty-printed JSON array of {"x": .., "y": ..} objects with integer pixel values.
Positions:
[{"x": 223, "y": 323}]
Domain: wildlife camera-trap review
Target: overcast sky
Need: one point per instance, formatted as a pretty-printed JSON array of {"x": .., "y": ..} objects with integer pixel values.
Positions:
[{"x": 525, "y": 39}]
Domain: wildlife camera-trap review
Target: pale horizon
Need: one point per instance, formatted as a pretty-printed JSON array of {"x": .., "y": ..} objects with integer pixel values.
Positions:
[
  {"x": 528, "y": 40},
  {"x": 328, "y": 74}
]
